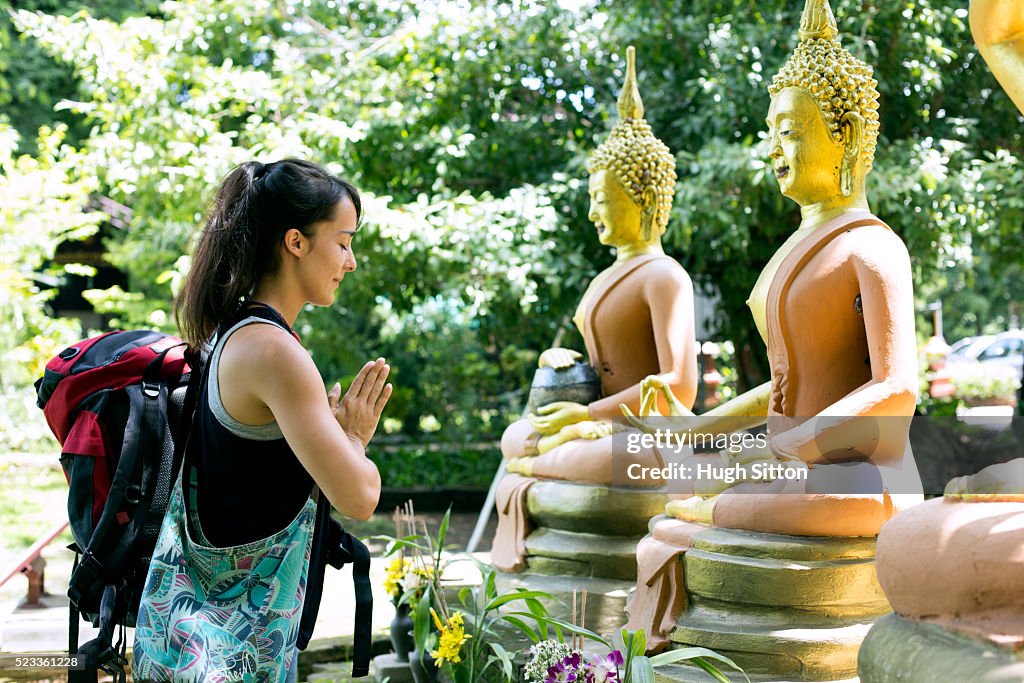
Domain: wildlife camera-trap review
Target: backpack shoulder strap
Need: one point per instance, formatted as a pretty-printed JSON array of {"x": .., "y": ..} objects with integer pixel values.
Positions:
[{"x": 334, "y": 546}]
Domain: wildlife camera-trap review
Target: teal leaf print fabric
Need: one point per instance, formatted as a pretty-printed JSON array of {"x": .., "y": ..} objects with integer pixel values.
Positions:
[{"x": 216, "y": 615}]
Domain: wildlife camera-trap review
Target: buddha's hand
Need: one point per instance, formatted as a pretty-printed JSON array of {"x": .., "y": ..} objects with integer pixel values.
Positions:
[
  {"x": 1002, "y": 482},
  {"x": 550, "y": 418},
  {"x": 587, "y": 429},
  {"x": 785, "y": 445},
  {"x": 558, "y": 358},
  {"x": 651, "y": 388}
]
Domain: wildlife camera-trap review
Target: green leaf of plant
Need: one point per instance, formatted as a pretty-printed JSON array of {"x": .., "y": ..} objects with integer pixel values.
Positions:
[
  {"x": 443, "y": 529},
  {"x": 506, "y": 598},
  {"x": 537, "y": 609},
  {"x": 522, "y": 626},
  {"x": 491, "y": 589},
  {"x": 641, "y": 671},
  {"x": 638, "y": 645},
  {"x": 711, "y": 669},
  {"x": 505, "y": 657},
  {"x": 421, "y": 622},
  {"x": 586, "y": 633},
  {"x": 696, "y": 653}
]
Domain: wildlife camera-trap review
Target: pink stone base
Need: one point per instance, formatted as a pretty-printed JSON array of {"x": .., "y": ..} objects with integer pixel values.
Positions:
[{"x": 958, "y": 565}]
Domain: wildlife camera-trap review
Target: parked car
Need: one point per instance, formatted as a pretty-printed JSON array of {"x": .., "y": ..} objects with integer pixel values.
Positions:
[
  {"x": 968, "y": 348},
  {"x": 994, "y": 355},
  {"x": 1007, "y": 350}
]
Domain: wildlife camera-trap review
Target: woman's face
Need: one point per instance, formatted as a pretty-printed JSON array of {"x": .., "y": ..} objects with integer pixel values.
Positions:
[
  {"x": 805, "y": 158},
  {"x": 615, "y": 215},
  {"x": 330, "y": 255}
]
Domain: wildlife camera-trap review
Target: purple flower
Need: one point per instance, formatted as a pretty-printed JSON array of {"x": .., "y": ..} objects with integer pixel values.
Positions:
[
  {"x": 572, "y": 669},
  {"x": 606, "y": 669}
]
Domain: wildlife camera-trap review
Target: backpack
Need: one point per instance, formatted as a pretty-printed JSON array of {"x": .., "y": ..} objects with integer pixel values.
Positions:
[
  {"x": 122, "y": 405},
  {"x": 116, "y": 404}
]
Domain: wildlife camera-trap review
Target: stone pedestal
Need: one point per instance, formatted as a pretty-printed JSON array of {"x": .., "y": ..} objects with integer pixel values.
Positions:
[
  {"x": 954, "y": 574},
  {"x": 585, "y": 536},
  {"x": 908, "y": 651},
  {"x": 389, "y": 668},
  {"x": 785, "y": 608}
]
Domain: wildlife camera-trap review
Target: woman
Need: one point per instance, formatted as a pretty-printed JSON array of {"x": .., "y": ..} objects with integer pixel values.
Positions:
[{"x": 224, "y": 592}]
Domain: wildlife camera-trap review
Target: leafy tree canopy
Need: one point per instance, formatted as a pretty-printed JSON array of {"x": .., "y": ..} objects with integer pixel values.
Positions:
[{"x": 467, "y": 125}]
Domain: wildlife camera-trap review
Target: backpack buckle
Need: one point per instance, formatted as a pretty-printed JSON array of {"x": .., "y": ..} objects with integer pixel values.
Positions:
[
  {"x": 133, "y": 494},
  {"x": 150, "y": 389},
  {"x": 88, "y": 574}
]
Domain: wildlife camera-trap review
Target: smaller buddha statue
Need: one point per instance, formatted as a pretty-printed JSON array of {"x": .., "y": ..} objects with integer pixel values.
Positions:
[
  {"x": 835, "y": 307},
  {"x": 631, "y": 188}
]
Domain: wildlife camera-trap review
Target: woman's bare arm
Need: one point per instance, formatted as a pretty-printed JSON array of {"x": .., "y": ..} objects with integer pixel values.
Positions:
[{"x": 282, "y": 376}]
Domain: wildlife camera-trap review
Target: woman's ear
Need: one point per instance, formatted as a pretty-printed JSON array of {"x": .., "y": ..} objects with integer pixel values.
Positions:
[{"x": 295, "y": 243}]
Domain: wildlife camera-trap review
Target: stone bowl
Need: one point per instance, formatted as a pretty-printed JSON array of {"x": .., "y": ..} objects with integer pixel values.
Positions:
[{"x": 578, "y": 383}]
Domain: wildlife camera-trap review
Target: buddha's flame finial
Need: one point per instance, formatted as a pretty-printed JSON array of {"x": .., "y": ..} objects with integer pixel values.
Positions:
[
  {"x": 818, "y": 21},
  {"x": 630, "y": 104}
]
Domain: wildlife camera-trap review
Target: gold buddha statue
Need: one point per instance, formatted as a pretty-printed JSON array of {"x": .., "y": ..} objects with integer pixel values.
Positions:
[
  {"x": 835, "y": 308},
  {"x": 834, "y": 304},
  {"x": 632, "y": 185}
]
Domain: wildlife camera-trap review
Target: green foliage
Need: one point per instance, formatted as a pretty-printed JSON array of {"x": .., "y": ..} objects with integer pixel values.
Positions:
[
  {"x": 42, "y": 202},
  {"x": 467, "y": 128},
  {"x": 435, "y": 466}
]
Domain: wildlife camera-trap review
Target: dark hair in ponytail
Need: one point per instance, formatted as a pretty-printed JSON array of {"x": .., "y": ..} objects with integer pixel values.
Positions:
[{"x": 254, "y": 207}]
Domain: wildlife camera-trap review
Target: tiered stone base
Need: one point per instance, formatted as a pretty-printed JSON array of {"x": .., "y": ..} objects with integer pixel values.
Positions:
[
  {"x": 585, "y": 537},
  {"x": 906, "y": 651},
  {"x": 785, "y": 608}
]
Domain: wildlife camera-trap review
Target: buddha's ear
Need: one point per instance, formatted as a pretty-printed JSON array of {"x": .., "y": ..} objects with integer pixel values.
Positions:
[
  {"x": 852, "y": 128},
  {"x": 648, "y": 211}
]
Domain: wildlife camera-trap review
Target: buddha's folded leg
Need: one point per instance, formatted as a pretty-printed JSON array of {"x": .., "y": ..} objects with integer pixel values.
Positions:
[
  {"x": 595, "y": 461},
  {"x": 791, "y": 510},
  {"x": 519, "y": 440},
  {"x": 959, "y": 565},
  {"x": 508, "y": 551}
]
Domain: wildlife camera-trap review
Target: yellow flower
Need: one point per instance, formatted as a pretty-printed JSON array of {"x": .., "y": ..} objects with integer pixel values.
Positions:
[
  {"x": 453, "y": 636},
  {"x": 396, "y": 572}
]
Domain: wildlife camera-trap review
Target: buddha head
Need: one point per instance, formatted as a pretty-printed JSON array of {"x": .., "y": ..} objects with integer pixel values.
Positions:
[
  {"x": 632, "y": 175},
  {"x": 823, "y": 119}
]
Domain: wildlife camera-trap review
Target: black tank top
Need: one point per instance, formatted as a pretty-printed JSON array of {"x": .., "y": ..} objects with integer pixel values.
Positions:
[{"x": 251, "y": 485}]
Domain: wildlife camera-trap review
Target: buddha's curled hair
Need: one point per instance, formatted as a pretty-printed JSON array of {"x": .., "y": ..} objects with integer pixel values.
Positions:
[
  {"x": 637, "y": 158},
  {"x": 838, "y": 81}
]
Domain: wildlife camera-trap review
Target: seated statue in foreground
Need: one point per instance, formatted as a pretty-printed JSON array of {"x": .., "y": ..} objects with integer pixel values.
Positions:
[
  {"x": 953, "y": 568},
  {"x": 632, "y": 184},
  {"x": 835, "y": 308}
]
